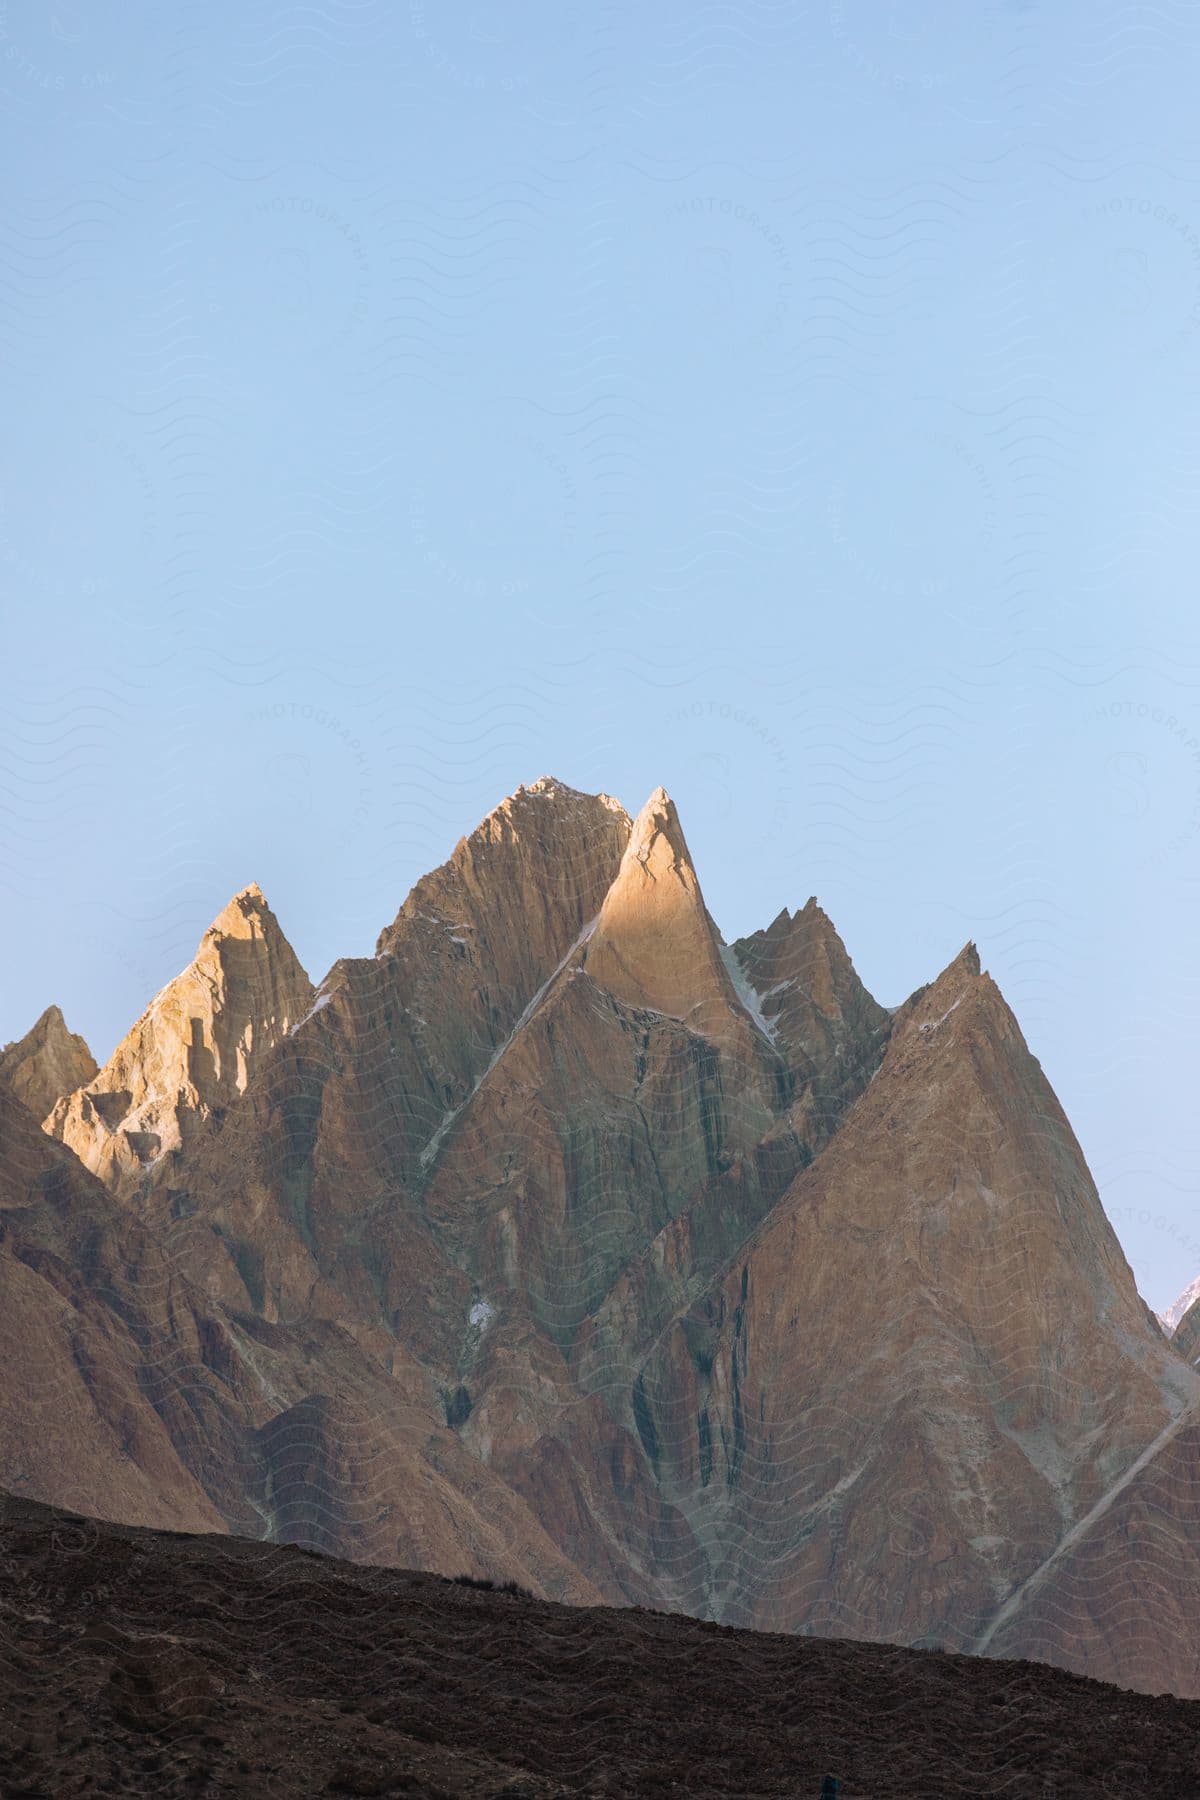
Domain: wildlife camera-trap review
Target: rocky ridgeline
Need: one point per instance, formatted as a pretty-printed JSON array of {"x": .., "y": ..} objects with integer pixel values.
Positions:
[{"x": 562, "y": 1242}]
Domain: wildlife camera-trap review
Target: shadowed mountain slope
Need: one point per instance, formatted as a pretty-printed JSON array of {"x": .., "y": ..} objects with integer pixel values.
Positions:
[
  {"x": 48, "y": 1062},
  {"x": 561, "y": 1241}
]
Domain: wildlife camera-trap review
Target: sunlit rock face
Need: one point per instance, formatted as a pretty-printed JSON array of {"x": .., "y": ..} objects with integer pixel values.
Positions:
[
  {"x": 192, "y": 1052},
  {"x": 561, "y": 1241},
  {"x": 48, "y": 1062}
]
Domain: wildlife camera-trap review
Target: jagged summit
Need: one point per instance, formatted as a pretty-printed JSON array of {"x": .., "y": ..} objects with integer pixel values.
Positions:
[
  {"x": 1181, "y": 1306},
  {"x": 966, "y": 960},
  {"x": 802, "y": 972},
  {"x": 829, "y": 1029},
  {"x": 475, "y": 940},
  {"x": 1009, "y": 1373},
  {"x": 655, "y": 944},
  {"x": 550, "y": 788},
  {"x": 546, "y": 850},
  {"x": 536, "y": 802},
  {"x": 1185, "y": 1334},
  {"x": 963, "y": 979},
  {"x": 563, "y": 1241},
  {"x": 246, "y": 915},
  {"x": 46, "y": 1063},
  {"x": 192, "y": 1051},
  {"x": 658, "y": 818}
]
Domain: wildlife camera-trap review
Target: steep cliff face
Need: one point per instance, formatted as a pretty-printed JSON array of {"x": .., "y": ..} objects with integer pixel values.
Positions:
[
  {"x": 561, "y": 1241},
  {"x": 48, "y": 1062},
  {"x": 315, "y": 1180},
  {"x": 1181, "y": 1322},
  {"x": 825, "y": 1024},
  {"x": 132, "y": 1392},
  {"x": 631, "y": 1085},
  {"x": 903, "y": 1485},
  {"x": 75, "y": 1425},
  {"x": 476, "y": 940},
  {"x": 192, "y": 1052},
  {"x": 1117, "y": 1596},
  {"x": 482, "y": 1193},
  {"x": 654, "y": 945},
  {"x": 604, "y": 1167}
]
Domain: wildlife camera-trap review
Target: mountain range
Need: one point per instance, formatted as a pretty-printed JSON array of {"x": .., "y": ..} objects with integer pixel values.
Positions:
[{"x": 562, "y": 1242}]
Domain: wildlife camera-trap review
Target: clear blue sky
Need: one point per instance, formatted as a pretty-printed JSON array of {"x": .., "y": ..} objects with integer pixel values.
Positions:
[{"x": 793, "y": 405}]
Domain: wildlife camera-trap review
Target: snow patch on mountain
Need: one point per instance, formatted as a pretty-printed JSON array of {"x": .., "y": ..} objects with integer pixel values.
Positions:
[
  {"x": 1174, "y": 1313},
  {"x": 321, "y": 1000},
  {"x": 434, "y": 1145},
  {"x": 748, "y": 995},
  {"x": 932, "y": 1024}
]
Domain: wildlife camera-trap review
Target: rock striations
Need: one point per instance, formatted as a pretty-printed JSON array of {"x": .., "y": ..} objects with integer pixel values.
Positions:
[
  {"x": 1184, "y": 1308},
  {"x": 827, "y": 1027},
  {"x": 48, "y": 1062},
  {"x": 905, "y": 1486},
  {"x": 561, "y": 1241},
  {"x": 1185, "y": 1338},
  {"x": 192, "y": 1052},
  {"x": 654, "y": 945}
]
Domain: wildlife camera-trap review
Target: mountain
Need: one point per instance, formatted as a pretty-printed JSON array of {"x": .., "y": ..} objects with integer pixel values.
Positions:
[
  {"x": 192, "y": 1052},
  {"x": 1185, "y": 1339},
  {"x": 172, "y": 1664},
  {"x": 84, "y": 1349},
  {"x": 48, "y": 1062},
  {"x": 132, "y": 1393},
  {"x": 829, "y": 1030},
  {"x": 906, "y": 1484},
  {"x": 1116, "y": 1596},
  {"x": 654, "y": 945},
  {"x": 562, "y": 1242},
  {"x": 1173, "y": 1317}
]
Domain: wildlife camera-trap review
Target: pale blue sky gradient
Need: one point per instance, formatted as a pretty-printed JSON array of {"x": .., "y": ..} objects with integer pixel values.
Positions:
[{"x": 795, "y": 405}]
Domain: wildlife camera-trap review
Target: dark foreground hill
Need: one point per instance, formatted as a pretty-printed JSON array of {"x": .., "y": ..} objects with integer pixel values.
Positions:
[
  {"x": 142, "y": 1662},
  {"x": 561, "y": 1242}
]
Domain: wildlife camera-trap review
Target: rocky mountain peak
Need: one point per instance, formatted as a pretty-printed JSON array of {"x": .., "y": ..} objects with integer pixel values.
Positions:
[
  {"x": 48, "y": 1062},
  {"x": 799, "y": 951},
  {"x": 654, "y": 944},
  {"x": 546, "y": 804},
  {"x": 550, "y": 788},
  {"x": 544, "y": 1242},
  {"x": 473, "y": 943},
  {"x": 825, "y": 1024},
  {"x": 657, "y": 830},
  {"x": 1013, "y": 1372},
  {"x": 251, "y": 892},
  {"x": 657, "y": 825},
  {"x": 1185, "y": 1338},
  {"x": 967, "y": 960},
  {"x": 547, "y": 847},
  {"x": 192, "y": 1051},
  {"x": 1180, "y": 1307},
  {"x": 962, "y": 983},
  {"x": 246, "y": 916}
]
